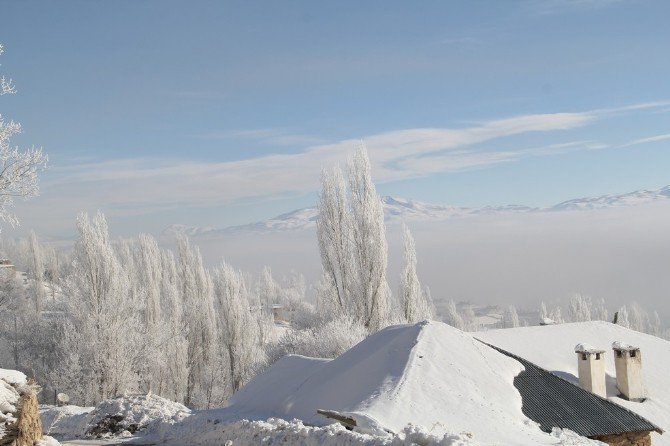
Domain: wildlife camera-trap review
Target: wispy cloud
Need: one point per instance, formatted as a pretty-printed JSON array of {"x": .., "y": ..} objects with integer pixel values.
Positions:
[
  {"x": 647, "y": 140},
  {"x": 145, "y": 185}
]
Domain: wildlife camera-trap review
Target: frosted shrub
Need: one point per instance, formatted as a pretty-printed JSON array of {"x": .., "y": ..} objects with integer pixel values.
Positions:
[{"x": 327, "y": 340}]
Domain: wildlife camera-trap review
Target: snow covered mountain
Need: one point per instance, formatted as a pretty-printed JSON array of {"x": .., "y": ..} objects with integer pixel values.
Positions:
[
  {"x": 403, "y": 209},
  {"x": 612, "y": 201}
]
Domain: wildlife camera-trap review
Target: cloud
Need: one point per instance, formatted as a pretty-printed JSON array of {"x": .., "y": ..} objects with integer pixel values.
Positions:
[
  {"x": 141, "y": 186},
  {"x": 655, "y": 138}
]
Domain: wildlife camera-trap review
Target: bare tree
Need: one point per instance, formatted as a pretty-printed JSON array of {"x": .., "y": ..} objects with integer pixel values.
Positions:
[{"x": 18, "y": 168}]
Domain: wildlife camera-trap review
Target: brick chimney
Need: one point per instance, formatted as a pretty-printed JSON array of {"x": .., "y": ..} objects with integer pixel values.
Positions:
[
  {"x": 591, "y": 366},
  {"x": 628, "y": 361}
]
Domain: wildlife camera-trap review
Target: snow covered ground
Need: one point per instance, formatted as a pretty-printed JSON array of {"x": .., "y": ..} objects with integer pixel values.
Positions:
[{"x": 552, "y": 348}]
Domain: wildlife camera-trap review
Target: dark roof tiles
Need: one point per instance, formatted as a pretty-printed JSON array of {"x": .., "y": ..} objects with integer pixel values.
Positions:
[{"x": 552, "y": 402}]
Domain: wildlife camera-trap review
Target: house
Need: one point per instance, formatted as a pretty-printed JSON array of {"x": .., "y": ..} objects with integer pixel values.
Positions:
[{"x": 434, "y": 375}]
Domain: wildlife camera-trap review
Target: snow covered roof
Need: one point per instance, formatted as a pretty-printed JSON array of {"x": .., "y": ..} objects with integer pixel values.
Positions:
[
  {"x": 551, "y": 347},
  {"x": 427, "y": 374},
  {"x": 553, "y": 402}
]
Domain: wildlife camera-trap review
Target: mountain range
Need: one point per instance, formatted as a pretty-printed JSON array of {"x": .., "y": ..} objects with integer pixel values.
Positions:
[{"x": 401, "y": 209}]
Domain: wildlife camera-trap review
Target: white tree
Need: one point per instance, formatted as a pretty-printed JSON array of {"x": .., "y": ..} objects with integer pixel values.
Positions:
[
  {"x": 580, "y": 308},
  {"x": 18, "y": 168},
  {"x": 176, "y": 345},
  {"x": 268, "y": 290},
  {"x": 599, "y": 311},
  {"x": 655, "y": 324},
  {"x": 369, "y": 244},
  {"x": 639, "y": 318},
  {"x": 238, "y": 335},
  {"x": 36, "y": 271},
  {"x": 452, "y": 317},
  {"x": 621, "y": 317},
  {"x": 103, "y": 335},
  {"x": 415, "y": 304},
  {"x": 198, "y": 305},
  {"x": 556, "y": 315},
  {"x": 544, "y": 314},
  {"x": 334, "y": 233},
  {"x": 510, "y": 318}
]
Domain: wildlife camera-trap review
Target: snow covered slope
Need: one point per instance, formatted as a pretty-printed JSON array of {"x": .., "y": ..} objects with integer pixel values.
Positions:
[
  {"x": 552, "y": 348},
  {"x": 427, "y": 374}
]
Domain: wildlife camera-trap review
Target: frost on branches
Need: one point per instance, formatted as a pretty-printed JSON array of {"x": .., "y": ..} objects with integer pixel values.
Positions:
[
  {"x": 18, "y": 168},
  {"x": 352, "y": 243}
]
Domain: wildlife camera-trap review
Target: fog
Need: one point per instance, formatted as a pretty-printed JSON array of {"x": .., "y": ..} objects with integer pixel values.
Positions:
[{"x": 621, "y": 255}]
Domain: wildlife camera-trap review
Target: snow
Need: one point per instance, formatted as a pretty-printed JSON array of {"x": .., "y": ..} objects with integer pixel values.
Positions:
[
  {"x": 428, "y": 374},
  {"x": 587, "y": 348},
  {"x": 427, "y": 384},
  {"x": 130, "y": 414},
  {"x": 550, "y": 347},
  {"x": 620, "y": 345},
  {"x": 13, "y": 376}
]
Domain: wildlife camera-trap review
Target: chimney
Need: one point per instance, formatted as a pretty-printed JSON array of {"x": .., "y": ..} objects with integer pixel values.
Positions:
[
  {"x": 628, "y": 361},
  {"x": 591, "y": 366}
]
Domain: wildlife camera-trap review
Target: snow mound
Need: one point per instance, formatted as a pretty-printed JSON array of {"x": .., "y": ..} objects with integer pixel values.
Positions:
[
  {"x": 428, "y": 374},
  {"x": 65, "y": 422},
  {"x": 550, "y": 347},
  {"x": 118, "y": 417}
]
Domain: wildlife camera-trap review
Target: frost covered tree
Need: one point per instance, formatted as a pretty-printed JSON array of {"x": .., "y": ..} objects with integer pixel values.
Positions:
[
  {"x": 580, "y": 308},
  {"x": 621, "y": 317},
  {"x": 268, "y": 289},
  {"x": 36, "y": 271},
  {"x": 369, "y": 244},
  {"x": 334, "y": 234},
  {"x": 198, "y": 305},
  {"x": 102, "y": 337},
  {"x": 18, "y": 168},
  {"x": 415, "y": 304},
  {"x": 599, "y": 311},
  {"x": 544, "y": 314},
  {"x": 238, "y": 335},
  {"x": 174, "y": 348},
  {"x": 452, "y": 317},
  {"x": 510, "y": 318},
  {"x": 352, "y": 243}
]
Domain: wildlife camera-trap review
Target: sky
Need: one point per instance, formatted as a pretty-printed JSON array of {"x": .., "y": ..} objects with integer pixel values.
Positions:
[{"x": 217, "y": 113}]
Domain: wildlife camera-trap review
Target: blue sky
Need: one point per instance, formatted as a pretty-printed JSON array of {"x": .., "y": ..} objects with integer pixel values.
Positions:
[{"x": 220, "y": 113}]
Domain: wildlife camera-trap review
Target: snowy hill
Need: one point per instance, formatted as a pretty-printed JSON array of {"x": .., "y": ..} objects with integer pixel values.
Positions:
[
  {"x": 403, "y": 209},
  {"x": 552, "y": 347}
]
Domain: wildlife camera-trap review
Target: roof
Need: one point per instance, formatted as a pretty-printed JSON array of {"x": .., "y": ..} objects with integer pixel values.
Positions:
[
  {"x": 552, "y": 348},
  {"x": 552, "y": 402}
]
